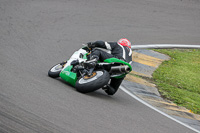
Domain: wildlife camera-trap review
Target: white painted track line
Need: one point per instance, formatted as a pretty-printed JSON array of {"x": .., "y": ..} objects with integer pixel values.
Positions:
[
  {"x": 150, "y": 106},
  {"x": 164, "y": 46}
]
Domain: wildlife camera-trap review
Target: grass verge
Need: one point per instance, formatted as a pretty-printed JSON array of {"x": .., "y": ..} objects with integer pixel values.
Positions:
[{"x": 179, "y": 78}]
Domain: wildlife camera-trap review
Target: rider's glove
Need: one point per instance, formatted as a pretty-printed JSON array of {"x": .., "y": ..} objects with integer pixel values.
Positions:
[{"x": 90, "y": 45}]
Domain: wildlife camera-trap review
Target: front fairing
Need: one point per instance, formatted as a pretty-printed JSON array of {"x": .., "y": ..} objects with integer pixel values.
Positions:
[
  {"x": 66, "y": 74},
  {"x": 76, "y": 56}
]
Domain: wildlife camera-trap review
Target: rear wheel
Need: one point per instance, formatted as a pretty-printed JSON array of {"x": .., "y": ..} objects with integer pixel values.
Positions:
[
  {"x": 91, "y": 83},
  {"x": 54, "y": 72}
]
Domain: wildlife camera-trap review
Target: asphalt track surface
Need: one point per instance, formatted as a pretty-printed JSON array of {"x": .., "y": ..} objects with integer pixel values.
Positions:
[{"x": 36, "y": 34}]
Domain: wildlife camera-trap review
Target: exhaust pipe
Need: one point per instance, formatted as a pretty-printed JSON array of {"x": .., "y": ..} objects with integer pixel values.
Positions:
[{"x": 120, "y": 69}]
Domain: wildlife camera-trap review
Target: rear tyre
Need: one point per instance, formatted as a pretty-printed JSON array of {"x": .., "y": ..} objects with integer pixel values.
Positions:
[
  {"x": 87, "y": 84},
  {"x": 54, "y": 72}
]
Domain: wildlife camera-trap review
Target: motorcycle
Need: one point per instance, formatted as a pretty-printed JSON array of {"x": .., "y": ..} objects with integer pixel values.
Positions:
[{"x": 89, "y": 77}]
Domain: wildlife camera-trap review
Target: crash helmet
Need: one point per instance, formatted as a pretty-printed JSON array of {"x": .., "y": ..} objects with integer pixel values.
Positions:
[{"x": 124, "y": 42}]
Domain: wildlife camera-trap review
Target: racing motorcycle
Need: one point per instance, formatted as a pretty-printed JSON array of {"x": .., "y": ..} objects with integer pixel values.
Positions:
[{"x": 89, "y": 77}]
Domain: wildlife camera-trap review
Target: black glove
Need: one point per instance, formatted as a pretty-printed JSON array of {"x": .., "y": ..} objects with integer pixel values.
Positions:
[{"x": 90, "y": 45}]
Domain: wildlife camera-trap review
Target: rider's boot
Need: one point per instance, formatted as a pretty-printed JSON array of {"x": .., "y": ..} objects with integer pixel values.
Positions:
[{"x": 109, "y": 90}]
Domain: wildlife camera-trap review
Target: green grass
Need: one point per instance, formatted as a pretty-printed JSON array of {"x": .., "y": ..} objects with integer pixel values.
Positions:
[{"x": 179, "y": 78}]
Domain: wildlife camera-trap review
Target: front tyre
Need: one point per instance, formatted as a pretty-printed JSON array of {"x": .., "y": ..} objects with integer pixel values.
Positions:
[
  {"x": 55, "y": 70},
  {"x": 87, "y": 84}
]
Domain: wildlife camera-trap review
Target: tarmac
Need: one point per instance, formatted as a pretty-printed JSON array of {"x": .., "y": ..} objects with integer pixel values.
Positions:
[{"x": 138, "y": 82}]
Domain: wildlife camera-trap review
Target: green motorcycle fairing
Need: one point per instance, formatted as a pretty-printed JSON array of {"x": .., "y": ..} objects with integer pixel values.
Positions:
[{"x": 69, "y": 76}]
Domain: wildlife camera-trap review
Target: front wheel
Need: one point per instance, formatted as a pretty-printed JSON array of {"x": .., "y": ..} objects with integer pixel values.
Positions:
[
  {"x": 54, "y": 72},
  {"x": 97, "y": 80}
]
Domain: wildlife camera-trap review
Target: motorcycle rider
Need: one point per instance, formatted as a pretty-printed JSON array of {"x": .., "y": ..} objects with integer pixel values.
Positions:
[{"x": 121, "y": 50}]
